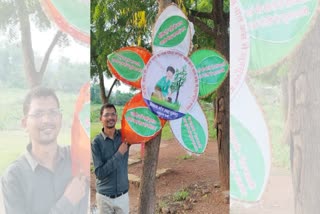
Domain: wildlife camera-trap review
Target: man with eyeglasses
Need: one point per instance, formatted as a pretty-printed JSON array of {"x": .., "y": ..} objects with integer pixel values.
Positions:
[
  {"x": 41, "y": 181},
  {"x": 110, "y": 158}
]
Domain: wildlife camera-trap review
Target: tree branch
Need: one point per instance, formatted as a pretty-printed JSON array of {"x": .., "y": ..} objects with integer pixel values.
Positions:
[
  {"x": 48, "y": 53},
  {"x": 110, "y": 90},
  {"x": 203, "y": 26},
  {"x": 218, "y": 11},
  {"x": 201, "y": 14}
]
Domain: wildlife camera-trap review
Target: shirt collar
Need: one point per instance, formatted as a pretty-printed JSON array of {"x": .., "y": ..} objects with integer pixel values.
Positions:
[
  {"x": 105, "y": 136},
  {"x": 34, "y": 163}
]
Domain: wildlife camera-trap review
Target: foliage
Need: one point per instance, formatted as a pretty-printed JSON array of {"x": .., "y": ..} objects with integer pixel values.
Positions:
[
  {"x": 180, "y": 195},
  {"x": 74, "y": 75},
  {"x": 116, "y": 24},
  {"x": 117, "y": 98},
  {"x": 9, "y": 18},
  {"x": 11, "y": 66},
  {"x": 17, "y": 20}
]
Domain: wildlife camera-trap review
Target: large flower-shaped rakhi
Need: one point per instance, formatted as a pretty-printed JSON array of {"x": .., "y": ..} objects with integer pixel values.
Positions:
[{"x": 170, "y": 83}]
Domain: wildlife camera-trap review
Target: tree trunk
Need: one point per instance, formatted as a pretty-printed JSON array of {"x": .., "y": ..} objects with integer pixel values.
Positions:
[
  {"x": 110, "y": 90},
  {"x": 34, "y": 78},
  {"x": 26, "y": 43},
  {"x": 102, "y": 89},
  {"x": 222, "y": 107},
  {"x": 304, "y": 115},
  {"x": 222, "y": 111},
  {"x": 147, "y": 200},
  {"x": 48, "y": 53}
]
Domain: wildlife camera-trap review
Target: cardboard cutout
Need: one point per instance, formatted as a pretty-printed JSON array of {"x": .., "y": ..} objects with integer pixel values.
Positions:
[
  {"x": 127, "y": 64},
  {"x": 170, "y": 84},
  {"x": 139, "y": 124}
]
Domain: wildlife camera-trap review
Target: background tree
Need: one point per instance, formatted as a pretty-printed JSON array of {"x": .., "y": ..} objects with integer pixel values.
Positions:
[
  {"x": 116, "y": 24},
  {"x": 19, "y": 12}
]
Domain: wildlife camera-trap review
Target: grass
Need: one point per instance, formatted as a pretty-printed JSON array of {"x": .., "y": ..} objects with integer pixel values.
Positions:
[
  {"x": 166, "y": 133},
  {"x": 180, "y": 195},
  {"x": 185, "y": 157},
  {"x": 280, "y": 151},
  {"x": 162, "y": 204},
  {"x": 269, "y": 100}
]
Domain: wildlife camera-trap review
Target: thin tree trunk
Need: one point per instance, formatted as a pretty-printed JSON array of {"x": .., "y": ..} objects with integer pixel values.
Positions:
[
  {"x": 48, "y": 53},
  {"x": 110, "y": 90},
  {"x": 222, "y": 104},
  {"x": 26, "y": 42},
  {"x": 147, "y": 200},
  {"x": 102, "y": 89}
]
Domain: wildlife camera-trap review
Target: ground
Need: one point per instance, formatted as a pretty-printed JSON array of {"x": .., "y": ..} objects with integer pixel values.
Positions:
[
  {"x": 197, "y": 175},
  {"x": 277, "y": 199}
]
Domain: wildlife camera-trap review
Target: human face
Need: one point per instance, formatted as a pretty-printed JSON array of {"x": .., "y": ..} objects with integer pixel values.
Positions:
[
  {"x": 43, "y": 120},
  {"x": 109, "y": 118},
  {"x": 169, "y": 75}
]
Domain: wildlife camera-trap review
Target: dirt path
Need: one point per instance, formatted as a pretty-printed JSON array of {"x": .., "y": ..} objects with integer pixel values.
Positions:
[
  {"x": 277, "y": 198},
  {"x": 202, "y": 171},
  {"x": 199, "y": 171}
]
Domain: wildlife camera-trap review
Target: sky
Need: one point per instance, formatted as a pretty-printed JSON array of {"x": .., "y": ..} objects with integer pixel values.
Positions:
[{"x": 76, "y": 51}]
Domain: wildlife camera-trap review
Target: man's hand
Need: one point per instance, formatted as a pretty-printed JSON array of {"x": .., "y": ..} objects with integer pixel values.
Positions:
[
  {"x": 123, "y": 148},
  {"x": 76, "y": 189}
]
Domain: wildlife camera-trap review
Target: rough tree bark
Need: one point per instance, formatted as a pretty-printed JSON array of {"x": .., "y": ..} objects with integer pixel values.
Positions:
[
  {"x": 222, "y": 104},
  {"x": 110, "y": 90},
  {"x": 304, "y": 117},
  {"x": 221, "y": 37},
  {"x": 147, "y": 199},
  {"x": 103, "y": 96}
]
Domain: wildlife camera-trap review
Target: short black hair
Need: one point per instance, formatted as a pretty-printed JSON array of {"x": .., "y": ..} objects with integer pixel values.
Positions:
[
  {"x": 38, "y": 92},
  {"x": 170, "y": 68},
  {"x": 105, "y": 106}
]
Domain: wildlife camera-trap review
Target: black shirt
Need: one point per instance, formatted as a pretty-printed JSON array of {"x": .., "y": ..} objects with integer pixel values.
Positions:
[{"x": 111, "y": 167}]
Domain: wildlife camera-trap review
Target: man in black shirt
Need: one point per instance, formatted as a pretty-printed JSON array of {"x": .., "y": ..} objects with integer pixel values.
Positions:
[{"x": 110, "y": 158}]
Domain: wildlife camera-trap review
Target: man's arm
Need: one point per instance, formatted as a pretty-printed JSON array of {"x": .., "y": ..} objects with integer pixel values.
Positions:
[
  {"x": 73, "y": 197},
  {"x": 13, "y": 199}
]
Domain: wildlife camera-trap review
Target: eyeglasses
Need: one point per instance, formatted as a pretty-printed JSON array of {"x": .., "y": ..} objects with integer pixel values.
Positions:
[
  {"x": 113, "y": 114},
  {"x": 53, "y": 113}
]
